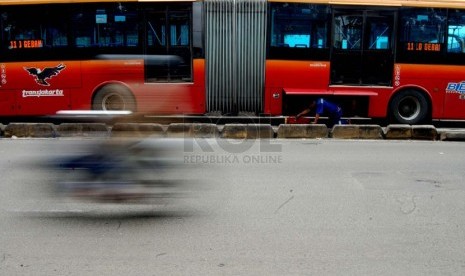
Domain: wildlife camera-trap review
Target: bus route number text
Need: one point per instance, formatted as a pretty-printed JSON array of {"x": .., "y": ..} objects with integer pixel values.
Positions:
[
  {"x": 423, "y": 47},
  {"x": 26, "y": 44}
]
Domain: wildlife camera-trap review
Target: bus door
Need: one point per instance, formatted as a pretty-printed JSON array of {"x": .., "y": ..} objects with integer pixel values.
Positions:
[
  {"x": 362, "y": 47},
  {"x": 168, "y": 55}
]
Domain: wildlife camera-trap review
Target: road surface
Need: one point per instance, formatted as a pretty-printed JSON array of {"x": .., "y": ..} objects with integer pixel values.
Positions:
[{"x": 280, "y": 207}]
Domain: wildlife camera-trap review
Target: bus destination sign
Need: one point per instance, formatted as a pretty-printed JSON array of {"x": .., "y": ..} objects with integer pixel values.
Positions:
[
  {"x": 423, "y": 47},
  {"x": 26, "y": 44}
]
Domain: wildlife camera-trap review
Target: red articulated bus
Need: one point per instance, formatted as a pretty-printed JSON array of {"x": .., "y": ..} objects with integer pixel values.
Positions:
[
  {"x": 101, "y": 55},
  {"x": 398, "y": 59}
]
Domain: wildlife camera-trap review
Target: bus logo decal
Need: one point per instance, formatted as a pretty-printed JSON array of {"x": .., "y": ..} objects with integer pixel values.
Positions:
[
  {"x": 42, "y": 75},
  {"x": 43, "y": 93},
  {"x": 456, "y": 87}
]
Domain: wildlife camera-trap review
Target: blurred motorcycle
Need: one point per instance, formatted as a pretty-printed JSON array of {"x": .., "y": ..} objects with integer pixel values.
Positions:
[{"x": 122, "y": 171}]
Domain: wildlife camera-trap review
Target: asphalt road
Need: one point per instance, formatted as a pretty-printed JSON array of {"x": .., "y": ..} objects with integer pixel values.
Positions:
[{"x": 280, "y": 207}]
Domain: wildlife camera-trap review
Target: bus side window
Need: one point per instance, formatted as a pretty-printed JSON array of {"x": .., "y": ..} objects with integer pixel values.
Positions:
[
  {"x": 29, "y": 27},
  {"x": 169, "y": 44},
  {"x": 299, "y": 25},
  {"x": 380, "y": 34},
  {"x": 456, "y": 32},
  {"x": 55, "y": 37},
  {"x": 156, "y": 30},
  {"x": 108, "y": 25},
  {"x": 18, "y": 28},
  {"x": 296, "y": 27},
  {"x": 423, "y": 25},
  {"x": 348, "y": 32},
  {"x": 83, "y": 29}
]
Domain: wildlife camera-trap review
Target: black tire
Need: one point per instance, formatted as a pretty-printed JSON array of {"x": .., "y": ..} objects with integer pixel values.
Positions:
[
  {"x": 409, "y": 107},
  {"x": 114, "y": 98}
]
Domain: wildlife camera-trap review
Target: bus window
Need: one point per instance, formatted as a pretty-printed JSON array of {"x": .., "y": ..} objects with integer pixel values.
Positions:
[
  {"x": 423, "y": 30},
  {"x": 168, "y": 51},
  {"x": 348, "y": 32},
  {"x": 33, "y": 28},
  {"x": 296, "y": 29},
  {"x": 379, "y": 35},
  {"x": 156, "y": 30},
  {"x": 456, "y": 32},
  {"x": 179, "y": 29},
  {"x": 105, "y": 26}
]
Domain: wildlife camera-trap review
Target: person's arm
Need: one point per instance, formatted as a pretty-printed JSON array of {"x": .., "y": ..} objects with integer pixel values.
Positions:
[
  {"x": 317, "y": 117},
  {"x": 302, "y": 113}
]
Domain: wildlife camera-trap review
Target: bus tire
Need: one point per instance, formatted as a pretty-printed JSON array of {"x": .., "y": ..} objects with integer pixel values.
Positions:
[
  {"x": 114, "y": 98},
  {"x": 409, "y": 107}
]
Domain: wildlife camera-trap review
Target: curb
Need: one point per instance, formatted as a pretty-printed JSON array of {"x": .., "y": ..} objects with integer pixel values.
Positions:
[
  {"x": 357, "y": 132},
  {"x": 247, "y": 131},
  {"x": 425, "y": 132},
  {"x": 83, "y": 130},
  {"x": 302, "y": 131},
  {"x": 231, "y": 131},
  {"x": 452, "y": 135},
  {"x": 234, "y": 131},
  {"x": 398, "y": 132},
  {"x": 34, "y": 130},
  {"x": 188, "y": 130},
  {"x": 260, "y": 131},
  {"x": 205, "y": 131},
  {"x": 417, "y": 132},
  {"x": 137, "y": 130}
]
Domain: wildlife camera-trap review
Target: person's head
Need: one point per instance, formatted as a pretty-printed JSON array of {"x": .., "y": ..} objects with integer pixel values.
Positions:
[{"x": 312, "y": 105}]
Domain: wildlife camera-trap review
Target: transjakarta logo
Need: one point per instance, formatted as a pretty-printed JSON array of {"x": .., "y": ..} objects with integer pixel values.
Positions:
[
  {"x": 42, "y": 75},
  {"x": 43, "y": 93},
  {"x": 454, "y": 87}
]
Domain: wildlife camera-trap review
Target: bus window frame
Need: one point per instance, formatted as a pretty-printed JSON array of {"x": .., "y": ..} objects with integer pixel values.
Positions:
[
  {"x": 403, "y": 55},
  {"x": 171, "y": 51},
  {"x": 71, "y": 51},
  {"x": 298, "y": 53}
]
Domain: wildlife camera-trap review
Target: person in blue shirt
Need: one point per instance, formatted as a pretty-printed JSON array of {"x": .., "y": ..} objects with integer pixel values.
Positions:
[{"x": 324, "y": 107}]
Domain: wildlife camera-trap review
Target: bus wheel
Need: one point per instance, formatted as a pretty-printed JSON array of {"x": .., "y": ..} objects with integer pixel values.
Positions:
[
  {"x": 409, "y": 107},
  {"x": 113, "y": 98}
]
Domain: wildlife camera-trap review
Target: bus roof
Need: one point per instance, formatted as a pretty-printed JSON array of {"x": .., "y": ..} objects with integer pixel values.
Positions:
[
  {"x": 30, "y": 2},
  {"x": 389, "y": 3}
]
